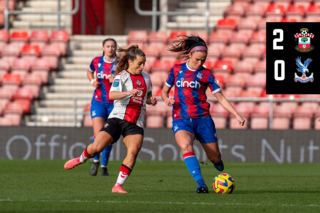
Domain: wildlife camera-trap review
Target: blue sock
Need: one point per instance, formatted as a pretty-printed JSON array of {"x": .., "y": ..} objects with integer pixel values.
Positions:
[
  {"x": 193, "y": 167},
  {"x": 97, "y": 157},
  {"x": 105, "y": 155}
]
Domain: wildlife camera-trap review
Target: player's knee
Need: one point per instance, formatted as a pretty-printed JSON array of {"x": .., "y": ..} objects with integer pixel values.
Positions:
[
  {"x": 134, "y": 151},
  {"x": 186, "y": 148},
  {"x": 214, "y": 157}
]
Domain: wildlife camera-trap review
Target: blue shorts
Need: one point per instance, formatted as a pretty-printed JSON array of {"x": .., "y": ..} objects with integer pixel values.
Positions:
[
  {"x": 202, "y": 128},
  {"x": 100, "y": 109}
]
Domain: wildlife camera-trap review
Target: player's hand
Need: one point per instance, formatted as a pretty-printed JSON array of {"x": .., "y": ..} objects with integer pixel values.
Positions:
[
  {"x": 169, "y": 101},
  {"x": 153, "y": 101},
  {"x": 132, "y": 93},
  {"x": 240, "y": 119},
  {"x": 111, "y": 78},
  {"x": 96, "y": 84}
]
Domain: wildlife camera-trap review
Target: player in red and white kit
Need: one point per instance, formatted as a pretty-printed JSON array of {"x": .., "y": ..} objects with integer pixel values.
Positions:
[{"x": 131, "y": 90}]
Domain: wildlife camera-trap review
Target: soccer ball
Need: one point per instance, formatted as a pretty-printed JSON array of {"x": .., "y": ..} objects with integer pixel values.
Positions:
[
  {"x": 223, "y": 184},
  {"x": 304, "y": 32}
]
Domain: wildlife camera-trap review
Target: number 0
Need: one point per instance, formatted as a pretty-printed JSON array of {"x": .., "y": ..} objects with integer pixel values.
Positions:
[
  {"x": 280, "y": 39},
  {"x": 281, "y": 77}
]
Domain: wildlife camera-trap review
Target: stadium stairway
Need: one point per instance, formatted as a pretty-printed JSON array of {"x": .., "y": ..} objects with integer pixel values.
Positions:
[
  {"x": 193, "y": 23},
  {"x": 69, "y": 82}
]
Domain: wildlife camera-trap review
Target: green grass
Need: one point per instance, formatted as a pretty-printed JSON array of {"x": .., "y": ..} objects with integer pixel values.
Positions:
[{"x": 44, "y": 186}]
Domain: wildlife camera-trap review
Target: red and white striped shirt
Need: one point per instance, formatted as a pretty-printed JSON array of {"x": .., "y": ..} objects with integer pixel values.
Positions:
[{"x": 129, "y": 108}]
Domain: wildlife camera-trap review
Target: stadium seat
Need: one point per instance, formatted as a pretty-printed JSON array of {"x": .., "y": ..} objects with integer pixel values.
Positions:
[
  {"x": 258, "y": 37},
  {"x": 275, "y": 10},
  {"x": 303, "y": 111},
  {"x": 40, "y": 64},
  {"x": 5, "y": 94},
  {"x": 249, "y": 94},
  {"x": 301, "y": 123},
  {"x": 292, "y": 96},
  {"x": 155, "y": 121},
  {"x": 255, "y": 10},
  {"x": 30, "y": 52},
  {"x": 34, "y": 88},
  {"x": 247, "y": 24},
  {"x": 21, "y": 36},
  {"x": 295, "y": 10},
  {"x": 260, "y": 66},
  {"x": 25, "y": 104},
  {"x": 201, "y": 34},
  {"x": 52, "y": 54},
  {"x": 5, "y": 121},
  {"x": 235, "y": 80},
  {"x": 313, "y": 11},
  {"x": 219, "y": 122},
  {"x": 60, "y": 38},
  {"x": 264, "y": 95},
  {"x": 281, "y": 123},
  {"x": 226, "y": 23},
  {"x": 4, "y": 36},
  {"x": 39, "y": 36},
  {"x": 239, "y": 37},
  {"x": 222, "y": 66},
  {"x": 290, "y": 20},
  {"x": 13, "y": 108},
  {"x": 234, "y": 10},
  {"x": 262, "y": 24},
  {"x": 20, "y": 64},
  {"x": 138, "y": 37},
  {"x": 164, "y": 53},
  {"x": 253, "y": 51},
  {"x": 151, "y": 51},
  {"x": 231, "y": 51},
  {"x": 4, "y": 66},
  {"x": 305, "y": 3},
  {"x": 215, "y": 50},
  {"x": 161, "y": 65},
  {"x": 257, "y": 80},
  {"x": 158, "y": 78},
  {"x": 219, "y": 37},
  {"x": 310, "y": 106},
  {"x": 231, "y": 92},
  {"x": 261, "y": 110},
  {"x": 10, "y": 78},
  {"x": 158, "y": 93},
  {"x": 259, "y": 123},
  {"x": 15, "y": 119},
  {"x": 220, "y": 80},
  {"x": 208, "y": 64},
  {"x": 174, "y": 35},
  {"x": 23, "y": 93},
  {"x": 311, "y": 19},
  {"x": 87, "y": 122},
  {"x": 10, "y": 52},
  {"x": 216, "y": 110},
  {"x": 10, "y": 5},
  {"x": 158, "y": 38},
  {"x": 283, "y": 110},
  {"x": 33, "y": 79},
  {"x": 243, "y": 66}
]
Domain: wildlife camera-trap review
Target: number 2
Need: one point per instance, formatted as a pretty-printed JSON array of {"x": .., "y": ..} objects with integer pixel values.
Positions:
[{"x": 280, "y": 39}]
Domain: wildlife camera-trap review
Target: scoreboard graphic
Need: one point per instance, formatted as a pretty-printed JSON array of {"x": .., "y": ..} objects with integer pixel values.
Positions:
[{"x": 293, "y": 58}]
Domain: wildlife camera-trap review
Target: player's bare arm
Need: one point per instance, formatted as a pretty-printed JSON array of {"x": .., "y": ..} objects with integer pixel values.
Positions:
[
  {"x": 93, "y": 81},
  {"x": 165, "y": 96},
  {"x": 113, "y": 95},
  {"x": 151, "y": 100},
  {"x": 227, "y": 105}
]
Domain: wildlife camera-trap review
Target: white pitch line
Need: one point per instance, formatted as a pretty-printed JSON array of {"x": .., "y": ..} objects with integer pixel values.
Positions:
[{"x": 150, "y": 202}]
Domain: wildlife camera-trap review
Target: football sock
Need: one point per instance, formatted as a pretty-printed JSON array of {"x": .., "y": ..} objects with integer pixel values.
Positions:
[
  {"x": 105, "y": 155},
  {"x": 193, "y": 167},
  {"x": 85, "y": 156},
  {"x": 124, "y": 174},
  {"x": 97, "y": 157}
]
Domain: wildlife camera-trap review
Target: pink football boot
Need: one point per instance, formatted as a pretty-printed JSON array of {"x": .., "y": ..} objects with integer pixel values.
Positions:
[
  {"x": 118, "y": 189},
  {"x": 70, "y": 164}
]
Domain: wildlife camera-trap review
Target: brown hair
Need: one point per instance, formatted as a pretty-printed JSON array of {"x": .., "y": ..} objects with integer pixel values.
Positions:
[
  {"x": 185, "y": 44},
  {"x": 129, "y": 54}
]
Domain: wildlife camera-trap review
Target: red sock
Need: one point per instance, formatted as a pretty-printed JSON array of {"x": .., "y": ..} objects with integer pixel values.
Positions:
[
  {"x": 124, "y": 174},
  {"x": 85, "y": 156}
]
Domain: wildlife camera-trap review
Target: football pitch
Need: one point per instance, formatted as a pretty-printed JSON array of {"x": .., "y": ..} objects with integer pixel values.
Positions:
[{"x": 44, "y": 186}]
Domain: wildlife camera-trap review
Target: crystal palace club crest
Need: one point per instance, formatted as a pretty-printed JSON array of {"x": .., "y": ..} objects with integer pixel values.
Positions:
[{"x": 304, "y": 40}]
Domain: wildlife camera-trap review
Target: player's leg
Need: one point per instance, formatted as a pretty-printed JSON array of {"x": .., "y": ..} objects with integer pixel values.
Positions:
[
  {"x": 108, "y": 134},
  {"x": 184, "y": 136},
  {"x": 97, "y": 124},
  {"x": 206, "y": 134},
  {"x": 132, "y": 138},
  {"x": 106, "y": 152}
]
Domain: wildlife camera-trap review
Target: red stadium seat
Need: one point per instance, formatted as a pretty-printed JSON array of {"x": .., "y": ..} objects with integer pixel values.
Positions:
[
  {"x": 164, "y": 53},
  {"x": 160, "y": 109},
  {"x": 311, "y": 19},
  {"x": 1, "y": 19},
  {"x": 303, "y": 111},
  {"x": 226, "y": 23},
  {"x": 275, "y": 10},
  {"x": 19, "y": 36},
  {"x": 155, "y": 121},
  {"x": 43, "y": 74},
  {"x": 25, "y": 104},
  {"x": 158, "y": 38},
  {"x": 243, "y": 66},
  {"x": 264, "y": 95},
  {"x": 40, "y": 64},
  {"x": 232, "y": 51},
  {"x": 138, "y": 37},
  {"x": 234, "y": 10},
  {"x": 4, "y": 66},
  {"x": 219, "y": 37},
  {"x": 220, "y": 80},
  {"x": 295, "y": 10},
  {"x": 10, "y": 50},
  {"x": 215, "y": 50},
  {"x": 13, "y": 108},
  {"x": 30, "y": 49},
  {"x": 10, "y": 5},
  {"x": 290, "y": 96},
  {"x": 39, "y": 35},
  {"x": 310, "y": 106},
  {"x": 52, "y": 54},
  {"x": 201, "y": 34},
  {"x": 4, "y": 36},
  {"x": 23, "y": 93},
  {"x": 5, "y": 121},
  {"x": 161, "y": 66},
  {"x": 305, "y": 3},
  {"x": 207, "y": 64},
  {"x": 281, "y": 123},
  {"x": 302, "y": 123},
  {"x": 260, "y": 66},
  {"x": 223, "y": 66},
  {"x": 32, "y": 78},
  {"x": 34, "y": 88},
  {"x": 253, "y": 51},
  {"x": 59, "y": 35},
  {"x": 174, "y": 35},
  {"x": 249, "y": 94},
  {"x": 158, "y": 93},
  {"x": 231, "y": 92},
  {"x": 262, "y": 24},
  {"x": 217, "y": 110},
  {"x": 258, "y": 37},
  {"x": 283, "y": 111},
  {"x": 255, "y": 10},
  {"x": 219, "y": 122},
  {"x": 257, "y": 80},
  {"x": 15, "y": 119},
  {"x": 11, "y": 79},
  {"x": 158, "y": 78},
  {"x": 247, "y": 24},
  {"x": 20, "y": 64},
  {"x": 239, "y": 37},
  {"x": 259, "y": 123},
  {"x": 87, "y": 122},
  {"x": 289, "y": 20},
  {"x": 151, "y": 51},
  {"x": 235, "y": 81},
  {"x": 313, "y": 10},
  {"x": 261, "y": 110},
  {"x": 5, "y": 94}
]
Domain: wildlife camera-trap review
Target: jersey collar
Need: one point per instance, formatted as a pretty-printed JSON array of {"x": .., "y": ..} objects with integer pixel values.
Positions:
[
  {"x": 109, "y": 62},
  {"x": 193, "y": 70}
]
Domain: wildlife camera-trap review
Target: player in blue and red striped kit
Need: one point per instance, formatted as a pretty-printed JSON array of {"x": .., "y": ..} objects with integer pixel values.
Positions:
[
  {"x": 101, "y": 106},
  {"x": 191, "y": 117}
]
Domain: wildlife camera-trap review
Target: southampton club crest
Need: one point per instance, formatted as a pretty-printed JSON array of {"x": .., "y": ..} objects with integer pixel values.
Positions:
[
  {"x": 304, "y": 40},
  {"x": 138, "y": 82},
  {"x": 303, "y": 68}
]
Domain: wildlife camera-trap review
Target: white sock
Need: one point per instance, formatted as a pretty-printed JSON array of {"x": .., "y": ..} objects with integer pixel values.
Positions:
[{"x": 124, "y": 174}]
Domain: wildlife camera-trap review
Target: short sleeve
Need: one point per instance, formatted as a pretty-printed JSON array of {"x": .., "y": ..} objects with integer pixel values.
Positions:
[
  {"x": 170, "y": 78},
  {"x": 117, "y": 84},
  {"x": 213, "y": 84},
  {"x": 91, "y": 67}
]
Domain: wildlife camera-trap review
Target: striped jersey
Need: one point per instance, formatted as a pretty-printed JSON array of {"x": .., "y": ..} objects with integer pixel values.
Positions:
[
  {"x": 129, "y": 108},
  {"x": 190, "y": 100},
  {"x": 103, "y": 69}
]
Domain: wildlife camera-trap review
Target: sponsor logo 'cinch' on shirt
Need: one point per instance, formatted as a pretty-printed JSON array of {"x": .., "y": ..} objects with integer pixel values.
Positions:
[
  {"x": 190, "y": 100},
  {"x": 129, "y": 108},
  {"x": 104, "y": 69}
]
